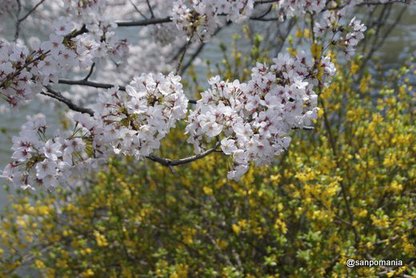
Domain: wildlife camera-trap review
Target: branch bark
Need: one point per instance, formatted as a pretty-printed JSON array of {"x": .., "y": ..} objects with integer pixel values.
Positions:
[
  {"x": 169, "y": 163},
  {"x": 144, "y": 22},
  {"x": 59, "y": 97}
]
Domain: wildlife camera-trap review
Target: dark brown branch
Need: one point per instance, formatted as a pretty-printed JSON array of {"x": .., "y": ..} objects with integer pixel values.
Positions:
[
  {"x": 144, "y": 22},
  {"x": 304, "y": 128},
  {"x": 59, "y": 97},
  {"x": 153, "y": 21},
  {"x": 90, "y": 84},
  {"x": 265, "y": 2},
  {"x": 370, "y": 3},
  {"x": 170, "y": 163}
]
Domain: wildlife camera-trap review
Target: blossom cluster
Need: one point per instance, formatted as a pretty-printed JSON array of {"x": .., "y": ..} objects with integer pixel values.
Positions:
[
  {"x": 38, "y": 160},
  {"x": 100, "y": 39},
  {"x": 23, "y": 72},
  {"x": 134, "y": 122},
  {"x": 291, "y": 8},
  {"x": 331, "y": 24},
  {"x": 127, "y": 123},
  {"x": 253, "y": 120},
  {"x": 203, "y": 16},
  {"x": 334, "y": 29}
]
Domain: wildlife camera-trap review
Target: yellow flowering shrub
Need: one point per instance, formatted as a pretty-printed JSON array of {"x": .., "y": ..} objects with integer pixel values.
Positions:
[{"x": 345, "y": 190}]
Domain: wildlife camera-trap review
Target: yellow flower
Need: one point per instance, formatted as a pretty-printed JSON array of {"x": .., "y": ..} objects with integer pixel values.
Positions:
[
  {"x": 354, "y": 68},
  {"x": 236, "y": 229},
  {"x": 43, "y": 210},
  {"x": 380, "y": 222},
  {"x": 364, "y": 84},
  {"x": 316, "y": 50},
  {"x": 207, "y": 190},
  {"x": 21, "y": 221},
  {"x": 100, "y": 239},
  {"x": 39, "y": 264},
  {"x": 88, "y": 273},
  {"x": 395, "y": 187},
  {"x": 280, "y": 226}
]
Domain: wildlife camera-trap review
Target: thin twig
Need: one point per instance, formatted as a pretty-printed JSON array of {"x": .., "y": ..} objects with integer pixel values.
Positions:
[
  {"x": 150, "y": 9},
  {"x": 188, "y": 43},
  {"x": 90, "y": 72},
  {"x": 31, "y": 10},
  {"x": 17, "y": 31},
  {"x": 137, "y": 9}
]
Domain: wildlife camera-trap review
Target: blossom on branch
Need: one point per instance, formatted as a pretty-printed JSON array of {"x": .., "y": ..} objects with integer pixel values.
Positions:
[
  {"x": 250, "y": 121},
  {"x": 254, "y": 119},
  {"x": 127, "y": 123}
]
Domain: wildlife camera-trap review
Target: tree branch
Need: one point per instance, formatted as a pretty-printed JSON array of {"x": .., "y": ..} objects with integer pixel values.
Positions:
[
  {"x": 59, "y": 97},
  {"x": 169, "y": 163},
  {"x": 98, "y": 85},
  {"x": 144, "y": 22},
  {"x": 90, "y": 84},
  {"x": 370, "y": 3}
]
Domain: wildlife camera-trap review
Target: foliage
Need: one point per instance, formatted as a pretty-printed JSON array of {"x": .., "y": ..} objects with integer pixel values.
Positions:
[{"x": 345, "y": 192}]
